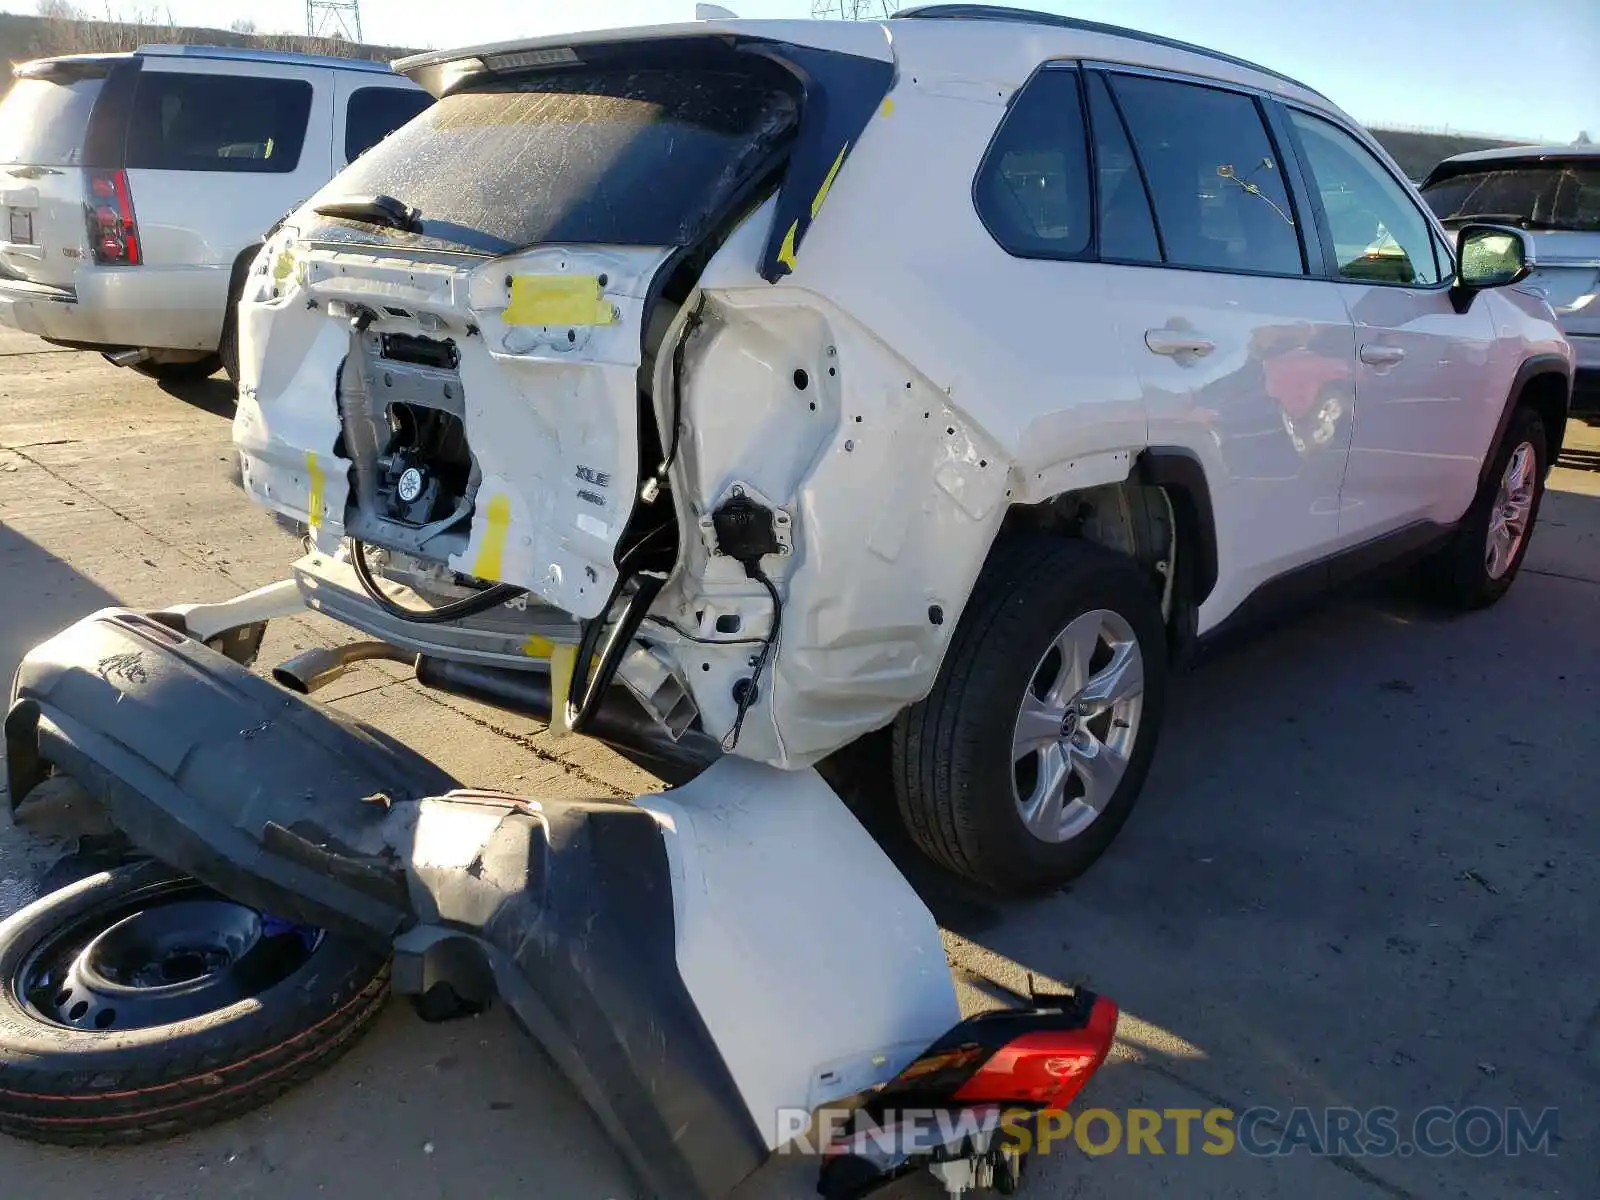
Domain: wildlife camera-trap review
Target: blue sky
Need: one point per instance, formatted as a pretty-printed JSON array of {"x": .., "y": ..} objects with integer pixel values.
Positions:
[{"x": 1524, "y": 70}]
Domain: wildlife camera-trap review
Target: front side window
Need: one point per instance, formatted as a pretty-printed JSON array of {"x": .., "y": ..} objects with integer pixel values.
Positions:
[
  {"x": 241, "y": 123},
  {"x": 1379, "y": 233},
  {"x": 1032, "y": 191},
  {"x": 1220, "y": 199},
  {"x": 1532, "y": 195}
]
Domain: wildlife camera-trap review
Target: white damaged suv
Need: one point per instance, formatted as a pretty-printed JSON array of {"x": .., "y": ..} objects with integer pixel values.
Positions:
[{"x": 949, "y": 377}]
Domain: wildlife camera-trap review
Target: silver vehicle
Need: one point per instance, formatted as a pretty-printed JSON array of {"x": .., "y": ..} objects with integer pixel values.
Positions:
[{"x": 1552, "y": 192}]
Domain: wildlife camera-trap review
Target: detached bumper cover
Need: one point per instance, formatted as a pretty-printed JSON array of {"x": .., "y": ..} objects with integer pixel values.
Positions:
[{"x": 272, "y": 799}]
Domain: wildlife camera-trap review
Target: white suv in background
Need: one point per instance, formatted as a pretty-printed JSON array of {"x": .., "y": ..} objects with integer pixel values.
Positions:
[
  {"x": 950, "y": 375},
  {"x": 135, "y": 188}
]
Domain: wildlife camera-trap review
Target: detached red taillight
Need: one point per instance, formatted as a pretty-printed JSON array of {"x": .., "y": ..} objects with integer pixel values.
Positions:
[
  {"x": 1047, "y": 1067},
  {"x": 113, "y": 230}
]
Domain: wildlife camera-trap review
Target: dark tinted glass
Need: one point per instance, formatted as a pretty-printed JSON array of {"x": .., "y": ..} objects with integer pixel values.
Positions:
[
  {"x": 185, "y": 122},
  {"x": 1032, "y": 190},
  {"x": 1127, "y": 230},
  {"x": 1534, "y": 195},
  {"x": 1219, "y": 195},
  {"x": 640, "y": 157},
  {"x": 43, "y": 123},
  {"x": 376, "y": 112}
]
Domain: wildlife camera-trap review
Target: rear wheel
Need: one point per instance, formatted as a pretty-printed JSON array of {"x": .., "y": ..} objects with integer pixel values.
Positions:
[
  {"x": 1479, "y": 564},
  {"x": 138, "y": 1004},
  {"x": 181, "y": 372},
  {"x": 1026, "y": 758}
]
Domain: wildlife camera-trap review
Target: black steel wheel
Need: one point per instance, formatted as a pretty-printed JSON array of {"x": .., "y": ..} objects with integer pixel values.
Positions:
[{"x": 138, "y": 1004}]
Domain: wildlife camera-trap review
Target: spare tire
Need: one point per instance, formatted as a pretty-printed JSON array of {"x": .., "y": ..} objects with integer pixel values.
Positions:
[{"x": 138, "y": 1004}]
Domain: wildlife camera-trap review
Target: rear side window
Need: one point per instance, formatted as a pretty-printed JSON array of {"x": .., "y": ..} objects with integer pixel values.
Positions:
[
  {"x": 45, "y": 123},
  {"x": 1220, "y": 199},
  {"x": 1032, "y": 191},
  {"x": 376, "y": 112},
  {"x": 613, "y": 156},
  {"x": 185, "y": 122},
  {"x": 1127, "y": 228}
]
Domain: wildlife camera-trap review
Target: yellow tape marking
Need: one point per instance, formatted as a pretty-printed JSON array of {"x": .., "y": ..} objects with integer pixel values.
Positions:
[
  {"x": 786, "y": 251},
  {"x": 314, "y": 504},
  {"x": 494, "y": 539},
  {"x": 822, "y": 192},
  {"x": 888, "y": 107},
  {"x": 558, "y": 300},
  {"x": 538, "y": 647},
  {"x": 563, "y": 658}
]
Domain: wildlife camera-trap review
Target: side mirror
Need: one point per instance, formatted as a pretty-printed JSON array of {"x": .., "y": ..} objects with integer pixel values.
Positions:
[{"x": 1488, "y": 256}]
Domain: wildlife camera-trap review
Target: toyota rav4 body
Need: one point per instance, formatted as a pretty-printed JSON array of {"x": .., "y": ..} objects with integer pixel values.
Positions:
[{"x": 942, "y": 373}]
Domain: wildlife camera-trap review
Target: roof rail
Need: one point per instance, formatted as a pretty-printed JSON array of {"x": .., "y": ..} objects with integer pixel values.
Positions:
[
  {"x": 251, "y": 54},
  {"x": 993, "y": 12}
]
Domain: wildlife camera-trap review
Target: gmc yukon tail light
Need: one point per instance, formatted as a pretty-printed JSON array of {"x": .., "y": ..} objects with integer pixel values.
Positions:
[{"x": 113, "y": 230}]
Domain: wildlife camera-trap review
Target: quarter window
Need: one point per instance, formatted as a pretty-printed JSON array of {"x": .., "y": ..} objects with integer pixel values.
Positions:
[
  {"x": 186, "y": 122},
  {"x": 1032, "y": 191},
  {"x": 1220, "y": 200},
  {"x": 1379, "y": 234}
]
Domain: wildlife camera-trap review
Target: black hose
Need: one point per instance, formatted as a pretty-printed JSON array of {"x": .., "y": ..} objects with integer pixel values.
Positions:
[{"x": 485, "y": 600}]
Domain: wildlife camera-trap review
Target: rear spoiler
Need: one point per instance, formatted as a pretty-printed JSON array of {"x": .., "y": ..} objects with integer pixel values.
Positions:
[
  {"x": 71, "y": 68},
  {"x": 843, "y": 84}
]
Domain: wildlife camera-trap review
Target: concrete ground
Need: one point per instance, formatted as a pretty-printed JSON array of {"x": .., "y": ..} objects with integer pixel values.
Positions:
[{"x": 1365, "y": 872}]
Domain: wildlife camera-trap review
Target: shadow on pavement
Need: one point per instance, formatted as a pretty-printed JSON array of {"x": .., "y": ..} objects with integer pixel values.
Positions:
[
  {"x": 215, "y": 395},
  {"x": 1362, "y": 873}
]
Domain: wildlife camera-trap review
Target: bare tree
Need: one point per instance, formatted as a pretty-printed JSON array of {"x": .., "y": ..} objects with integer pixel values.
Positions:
[
  {"x": 243, "y": 25},
  {"x": 60, "y": 10}
]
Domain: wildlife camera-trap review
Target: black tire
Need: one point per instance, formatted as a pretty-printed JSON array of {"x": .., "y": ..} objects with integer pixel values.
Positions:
[
  {"x": 952, "y": 751},
  {"x": 181, "y": 372},
  {"x": 228, "y": 347},
  {"x": 1458, "y": 576},
  {"x": 63, "y": 1083}
]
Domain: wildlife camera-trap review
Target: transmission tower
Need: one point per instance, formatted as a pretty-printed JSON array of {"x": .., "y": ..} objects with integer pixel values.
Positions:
[
  {"x": 334, "y": 19},
  {"x": 852, "y": 10}
]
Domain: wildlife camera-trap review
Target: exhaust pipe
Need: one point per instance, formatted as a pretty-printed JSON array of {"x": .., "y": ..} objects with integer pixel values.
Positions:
[
  {"x": 619, "y": 720},
  {"x": 313, "y": 669},
  {"x": 127, "y": 358}
]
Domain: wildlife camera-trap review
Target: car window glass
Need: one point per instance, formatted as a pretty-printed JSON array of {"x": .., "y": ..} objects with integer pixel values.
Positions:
[
  {"x": 607, "y": 155},
  {"x": 1536, "y": 195},
  {"x": 1127, "y": 229},
  {"x": 188, "y": 122},
  {"x": 1379, "y": 233},
  {"x": 44, "y": 122},
  {"x": 1032, "y": 190},
  {"x": 1219, "y": 195},
  {"x": 376, "y": 112}
]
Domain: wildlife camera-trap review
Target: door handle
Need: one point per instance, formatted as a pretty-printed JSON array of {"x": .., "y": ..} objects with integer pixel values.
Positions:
[
  {"x": 1173, "y": 342},
  {"x": 1381, "y": 356}
]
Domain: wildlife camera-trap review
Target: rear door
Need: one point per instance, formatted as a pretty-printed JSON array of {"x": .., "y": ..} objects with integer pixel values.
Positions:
[
  {"x": 368, "y": 107},
  {"x": 1243, "y": 353},
  {"x": 49, "y": 132}
]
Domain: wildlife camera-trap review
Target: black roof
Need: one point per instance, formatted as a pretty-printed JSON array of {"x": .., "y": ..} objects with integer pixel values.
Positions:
[{"x": 993, "y": 12}]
